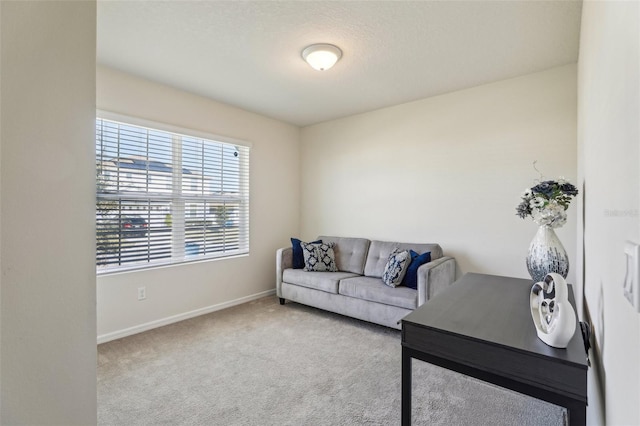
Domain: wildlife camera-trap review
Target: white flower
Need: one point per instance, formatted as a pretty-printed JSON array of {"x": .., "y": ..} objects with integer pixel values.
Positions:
[
  {"x": 552, "y": 215},
  {"x": 528, "y": 193},
  {"x": 560, "y": 221},
  {"x": 536, "y": 202}
]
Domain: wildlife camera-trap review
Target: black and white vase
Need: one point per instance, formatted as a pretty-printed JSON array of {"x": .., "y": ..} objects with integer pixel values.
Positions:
[{"x": 546, "y": 255}]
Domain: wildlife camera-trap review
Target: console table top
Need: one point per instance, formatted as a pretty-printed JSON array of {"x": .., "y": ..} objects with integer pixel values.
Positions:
[{"x": 495, "y": 310}]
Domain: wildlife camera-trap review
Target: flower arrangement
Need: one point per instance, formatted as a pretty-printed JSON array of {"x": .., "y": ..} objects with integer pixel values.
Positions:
[{"x": 546, "y": 202}]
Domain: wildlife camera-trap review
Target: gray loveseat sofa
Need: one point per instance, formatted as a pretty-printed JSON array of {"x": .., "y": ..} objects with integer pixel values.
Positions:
[{"x": 357, "y": 289}]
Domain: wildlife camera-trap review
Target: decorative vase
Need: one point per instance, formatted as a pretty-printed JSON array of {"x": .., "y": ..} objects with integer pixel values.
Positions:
[
  {"x": 546, "y": 255},
  {"x": 552, "y": 314}
]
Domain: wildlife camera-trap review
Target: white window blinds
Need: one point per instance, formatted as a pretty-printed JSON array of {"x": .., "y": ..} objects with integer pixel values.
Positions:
[{"x": 164, "y": 197}]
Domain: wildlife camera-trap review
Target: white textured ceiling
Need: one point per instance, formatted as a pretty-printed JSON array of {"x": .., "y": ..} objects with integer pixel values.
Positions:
[{"x": 247, "y": 53}]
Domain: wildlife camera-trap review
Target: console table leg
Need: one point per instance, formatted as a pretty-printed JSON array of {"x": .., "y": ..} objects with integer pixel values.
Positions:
[
  {"x": 577, "y": 415},
  {"x": 406, "y": 388}
]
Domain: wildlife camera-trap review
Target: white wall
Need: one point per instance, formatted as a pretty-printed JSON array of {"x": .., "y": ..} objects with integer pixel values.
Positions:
[
  {"x": 274, "y": 209},
  {"x": 47, "y": 186},
  {"x": 448, "y": 169},
  {"x": 609, "y": 153}
]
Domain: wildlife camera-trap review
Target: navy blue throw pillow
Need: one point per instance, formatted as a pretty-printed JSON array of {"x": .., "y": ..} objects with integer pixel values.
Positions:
[
  {"x": 417, "y": 260},
  {"x": 298, "y": 255}
]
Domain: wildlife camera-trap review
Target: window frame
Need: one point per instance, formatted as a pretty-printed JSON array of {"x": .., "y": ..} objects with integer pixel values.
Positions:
[{"x": 183, "y": 133}]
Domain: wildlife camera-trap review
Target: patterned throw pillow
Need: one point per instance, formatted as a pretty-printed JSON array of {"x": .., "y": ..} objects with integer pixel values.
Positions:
[
  {"x": 396, "y": 267},
  {"x": 319, "y": 257},
  {"x": 297, "y": 257}
]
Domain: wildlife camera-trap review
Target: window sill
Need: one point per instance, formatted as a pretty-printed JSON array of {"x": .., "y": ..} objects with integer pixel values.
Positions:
[{"x": 140, "y": 268}]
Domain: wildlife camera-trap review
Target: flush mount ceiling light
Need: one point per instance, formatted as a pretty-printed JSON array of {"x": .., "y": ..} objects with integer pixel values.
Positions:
[{"x": 321, "y": 56}]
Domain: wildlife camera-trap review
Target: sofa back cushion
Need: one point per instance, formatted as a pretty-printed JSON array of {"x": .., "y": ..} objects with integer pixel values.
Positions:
[
  {"x": 350, "y": 253},
  {"x": 379, "y": 254}
]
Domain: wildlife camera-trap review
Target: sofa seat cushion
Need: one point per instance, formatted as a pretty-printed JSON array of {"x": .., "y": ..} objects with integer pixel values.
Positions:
[
  {"x": 374, "y": 290},
  {"x": 324, "y": 281}
]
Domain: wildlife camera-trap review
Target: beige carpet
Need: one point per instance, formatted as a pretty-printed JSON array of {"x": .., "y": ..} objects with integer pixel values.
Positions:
[{"x": 265, "y": 364}]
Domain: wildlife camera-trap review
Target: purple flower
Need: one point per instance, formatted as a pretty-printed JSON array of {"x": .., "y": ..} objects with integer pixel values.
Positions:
[
  {"x": 544, "y": 188},
  {"x": 569, "y": 189},
  {"x": 523, "y": 210}
]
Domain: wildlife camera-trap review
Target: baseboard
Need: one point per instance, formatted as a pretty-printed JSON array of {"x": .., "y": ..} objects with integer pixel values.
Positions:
[{"x": 103, "y": 338}]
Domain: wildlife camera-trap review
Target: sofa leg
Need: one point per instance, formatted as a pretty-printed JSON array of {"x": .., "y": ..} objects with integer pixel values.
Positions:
[{"x": 282, "y": 301}]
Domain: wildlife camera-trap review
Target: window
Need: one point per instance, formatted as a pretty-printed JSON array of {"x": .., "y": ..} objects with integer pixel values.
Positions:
[{"x": 147, "y": 177}]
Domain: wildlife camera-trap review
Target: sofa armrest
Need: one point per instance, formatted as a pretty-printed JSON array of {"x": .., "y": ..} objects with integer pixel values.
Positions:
[
  {"x": 284, "y": 260},
  {"x": 434, "y": 277}
]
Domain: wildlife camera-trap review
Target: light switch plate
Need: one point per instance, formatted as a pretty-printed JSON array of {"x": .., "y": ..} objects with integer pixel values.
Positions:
[{"x": 632, "y": 276}]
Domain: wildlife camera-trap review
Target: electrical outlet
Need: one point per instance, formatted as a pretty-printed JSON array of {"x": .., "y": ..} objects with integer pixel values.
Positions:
[{"x": 142, "y": 293}]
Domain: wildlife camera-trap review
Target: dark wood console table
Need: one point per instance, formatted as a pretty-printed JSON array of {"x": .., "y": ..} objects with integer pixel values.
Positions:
[{"x": 481, "y": 326}]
